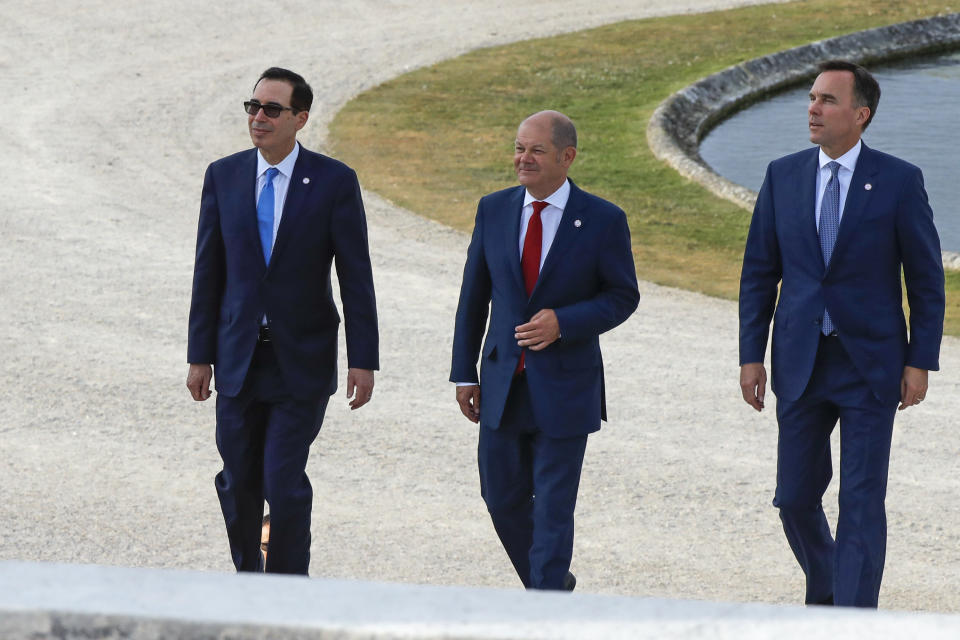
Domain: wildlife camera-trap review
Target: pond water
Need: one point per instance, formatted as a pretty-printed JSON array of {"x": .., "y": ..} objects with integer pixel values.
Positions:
[{"x": 918, "y": 119}]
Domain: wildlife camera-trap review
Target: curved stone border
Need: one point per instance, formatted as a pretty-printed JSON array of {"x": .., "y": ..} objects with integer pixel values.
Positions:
[{"x": 680, "y": 122}]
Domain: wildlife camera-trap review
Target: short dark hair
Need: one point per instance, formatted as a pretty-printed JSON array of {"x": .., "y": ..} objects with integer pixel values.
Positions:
[
  {"x": 866, "y": 89},
  {"x": 302, "y": 97}
]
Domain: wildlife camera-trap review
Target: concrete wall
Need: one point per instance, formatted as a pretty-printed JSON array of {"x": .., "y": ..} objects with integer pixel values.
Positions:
[
  {"x": 682, "y": 120},
  {"x": 73, "y": 602}
]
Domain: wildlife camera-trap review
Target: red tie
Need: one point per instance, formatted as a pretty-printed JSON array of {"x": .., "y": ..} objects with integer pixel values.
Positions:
[{"x": 530, "y": 259}]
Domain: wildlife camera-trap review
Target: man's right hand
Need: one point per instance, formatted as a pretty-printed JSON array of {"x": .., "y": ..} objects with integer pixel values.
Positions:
[
  {"x": 753, "y": 384},
  {"x": 198, "y": 381},
  {"x": 468, "y": 397}
]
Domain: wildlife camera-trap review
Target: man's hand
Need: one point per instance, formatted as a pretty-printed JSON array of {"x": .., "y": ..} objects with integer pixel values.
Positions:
[
  {"x": 542, "y": 330},
  {"x": 198, "y": 381},
  {"x": 468, "y": 397},
  {"x": 361, "y": 381},
  {"x": 913, "y": 387},
  {"x": 753, "y": 384}
]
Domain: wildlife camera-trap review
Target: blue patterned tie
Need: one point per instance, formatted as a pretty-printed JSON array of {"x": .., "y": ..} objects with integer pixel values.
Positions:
[
  {"x": 265, "y": 208},
  {"x": 829, "y": 224}
]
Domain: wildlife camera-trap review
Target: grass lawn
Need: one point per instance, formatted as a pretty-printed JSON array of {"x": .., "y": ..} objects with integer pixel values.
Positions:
[{"x": 436, "y": 139}]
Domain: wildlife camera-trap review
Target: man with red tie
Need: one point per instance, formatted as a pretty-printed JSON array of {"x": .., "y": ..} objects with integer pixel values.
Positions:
[{"x": 553, "y": 267}]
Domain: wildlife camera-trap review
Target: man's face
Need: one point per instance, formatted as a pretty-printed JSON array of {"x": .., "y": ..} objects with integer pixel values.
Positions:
[
  {"x": 539, "y": 165},
  {"x": 834, "y": 120},
  {"x": 275, "y": 135}
]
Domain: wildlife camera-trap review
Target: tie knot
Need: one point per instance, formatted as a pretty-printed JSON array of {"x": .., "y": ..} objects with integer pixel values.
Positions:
[
  {"x": 272, "y": 173},
  {"x": 834, "y": 168},
  {"x": 538, "y": 206}
]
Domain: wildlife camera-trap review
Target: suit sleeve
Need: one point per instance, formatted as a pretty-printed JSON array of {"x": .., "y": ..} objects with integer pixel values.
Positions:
[
  {"x": 922, "y": 272},
  {"x": 472, "y": 309},
  {"x": 208, "y": 275},
  {"x": 618, "y": 295},
  {"x": 355, "y": 274},
  {"x": 759, "y": 277}
]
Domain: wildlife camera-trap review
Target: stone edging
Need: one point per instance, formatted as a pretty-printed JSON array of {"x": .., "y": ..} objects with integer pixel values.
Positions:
[{"x": 680, "y": 122}]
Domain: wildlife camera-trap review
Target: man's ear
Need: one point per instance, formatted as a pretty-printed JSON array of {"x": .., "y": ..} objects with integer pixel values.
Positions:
[
  {"x": 302, "y": 119},
  {"x": 568, "y": 155}
]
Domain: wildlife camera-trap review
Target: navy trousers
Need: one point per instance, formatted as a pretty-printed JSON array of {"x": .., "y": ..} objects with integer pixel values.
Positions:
[
  {"x": 264, "y": 437},
  {"x": 529, "y": 483},
  {"x": 845, "y": 570}
]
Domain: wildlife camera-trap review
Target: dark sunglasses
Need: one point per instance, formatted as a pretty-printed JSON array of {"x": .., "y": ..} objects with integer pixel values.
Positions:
[{"x": 269, "y": 110}]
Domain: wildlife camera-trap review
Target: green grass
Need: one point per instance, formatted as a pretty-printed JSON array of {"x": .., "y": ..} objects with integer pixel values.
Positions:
[{"x": 438, "y": 138}]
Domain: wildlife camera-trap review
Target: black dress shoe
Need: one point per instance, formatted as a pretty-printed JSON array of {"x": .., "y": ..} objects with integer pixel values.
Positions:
[{"x": 569, "y": 582}]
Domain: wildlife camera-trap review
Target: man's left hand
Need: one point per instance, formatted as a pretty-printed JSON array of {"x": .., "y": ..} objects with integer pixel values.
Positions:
[
  {"x": 361, "y": 381},
  {"x": 542, "y": 331},
  {"x": 913, "y": 387}
]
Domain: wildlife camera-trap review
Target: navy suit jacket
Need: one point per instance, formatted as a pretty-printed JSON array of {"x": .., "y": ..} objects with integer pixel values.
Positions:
[
  {"x": 588, "y": 279},
  {"x": 886, "y": 224},
  {"x": 323, "y": 220}
]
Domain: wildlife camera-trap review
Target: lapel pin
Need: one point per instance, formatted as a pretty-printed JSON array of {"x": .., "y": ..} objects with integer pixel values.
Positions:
[
  {"x": 577, "y": 223},
  {"x": 868, "y": 186},
  {"x": 306, "y": 181}
]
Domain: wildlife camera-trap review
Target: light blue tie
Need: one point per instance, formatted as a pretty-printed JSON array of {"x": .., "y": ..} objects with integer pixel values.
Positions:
[
  {"x": 265, "y": 212},
  {"x": 829, "y": 224}
]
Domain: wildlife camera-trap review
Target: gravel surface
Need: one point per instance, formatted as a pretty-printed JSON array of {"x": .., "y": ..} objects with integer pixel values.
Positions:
[{"x": 115, "y": 111}]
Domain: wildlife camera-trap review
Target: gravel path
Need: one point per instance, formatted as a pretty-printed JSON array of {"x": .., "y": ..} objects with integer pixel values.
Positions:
[{"x": 115, "y": 110}]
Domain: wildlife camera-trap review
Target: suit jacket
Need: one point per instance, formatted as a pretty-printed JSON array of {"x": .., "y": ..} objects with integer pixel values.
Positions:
[
  {"x": 323, "y": 220},
  {"x": 886, "y": 224},
  {"x": 588, "y": 278}
]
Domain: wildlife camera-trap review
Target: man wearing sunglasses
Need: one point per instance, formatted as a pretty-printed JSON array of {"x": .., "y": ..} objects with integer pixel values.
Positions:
[{"x": 273, "y": 220}]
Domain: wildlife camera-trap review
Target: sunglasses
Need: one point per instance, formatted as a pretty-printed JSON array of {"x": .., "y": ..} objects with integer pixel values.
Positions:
[{"x": 269, "y": 110}]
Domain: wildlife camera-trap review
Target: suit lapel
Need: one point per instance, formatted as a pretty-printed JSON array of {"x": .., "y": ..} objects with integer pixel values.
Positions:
[
  {"x": 301, "y": 182},
  {"x": 807, "y": 198},
  {"x": 857, "y": 197},
  {"x": 245, "y": 201},
  {"x": 567, "y": 234},
  {"x": 514, "y": 211}
]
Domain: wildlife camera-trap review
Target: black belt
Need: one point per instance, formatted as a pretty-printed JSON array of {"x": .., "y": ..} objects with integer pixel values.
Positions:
[{"x": 264, "y": 336}]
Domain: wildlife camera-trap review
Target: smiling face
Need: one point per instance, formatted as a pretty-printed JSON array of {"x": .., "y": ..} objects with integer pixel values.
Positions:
[
  {"x": 275, "y": 137},
  {"x": 540, "y": 166},
  {"x": 834, "y": 119}
]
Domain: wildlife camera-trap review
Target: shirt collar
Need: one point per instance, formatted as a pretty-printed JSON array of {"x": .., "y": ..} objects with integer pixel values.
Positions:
[
  {"x": 848, "y": 160},
  {"x": 285, "y": 166},
  {"x": 558, "y": 198}
]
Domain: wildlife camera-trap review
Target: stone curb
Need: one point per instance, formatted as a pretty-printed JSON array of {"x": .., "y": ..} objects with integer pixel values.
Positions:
[
  {"x": 682, "y": 120},
  {"x": 74, "y": 602}
]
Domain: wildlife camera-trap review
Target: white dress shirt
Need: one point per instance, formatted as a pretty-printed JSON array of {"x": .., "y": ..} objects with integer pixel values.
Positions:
[
  {"x": 549, "y": 216},
  {"x": 847, "y": 162},
  {"x": 280, "y": 183}
]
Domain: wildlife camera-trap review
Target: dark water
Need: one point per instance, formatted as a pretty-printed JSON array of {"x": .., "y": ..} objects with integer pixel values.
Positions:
[{"x": 918, "y": 119}]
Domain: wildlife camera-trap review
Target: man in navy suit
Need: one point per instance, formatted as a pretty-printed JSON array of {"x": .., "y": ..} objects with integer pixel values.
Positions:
[
  {"x": 272, "y": 221},
  {"x": 833, "y": 226},
  {"x": 554, "y": 267}
]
